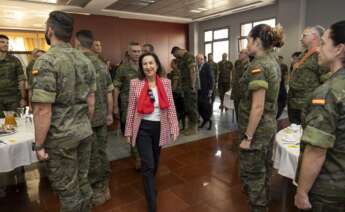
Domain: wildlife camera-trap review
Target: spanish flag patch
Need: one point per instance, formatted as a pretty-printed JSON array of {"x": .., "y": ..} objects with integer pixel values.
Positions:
[
  {"x": 318, "y": 101},
  {"x": 34, "y": 72},
  {"x": 256, "y": 71}
]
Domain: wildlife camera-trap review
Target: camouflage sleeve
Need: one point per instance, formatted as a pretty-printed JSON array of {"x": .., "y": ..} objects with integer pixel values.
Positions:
[
  {"x": 175, "y": 76},
  {"x": 109, "y": 82},
  {"x": 19, "y": 71},
  {"x": 321, "y": 122},
  {"x": 92, "y": 83},
  {"x": 191, "y": 62},
  {"x": 257, "y": 79},
  {"x": 118, "y": 78},
  {"x": 231, "y": 66},
  {"x": 44, "y": 82},
  {"x": 28, "y": 71}
]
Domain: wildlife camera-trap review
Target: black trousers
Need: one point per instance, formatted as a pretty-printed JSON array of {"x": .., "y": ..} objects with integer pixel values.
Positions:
[
  {"x": 295, "y": 116},
  {"x": 149, "y": 151},
  {"x": 204, "y": 106}
]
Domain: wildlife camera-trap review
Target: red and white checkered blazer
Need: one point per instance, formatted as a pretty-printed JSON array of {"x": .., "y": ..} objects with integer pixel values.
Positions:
[{"x": 169, "y": 123}]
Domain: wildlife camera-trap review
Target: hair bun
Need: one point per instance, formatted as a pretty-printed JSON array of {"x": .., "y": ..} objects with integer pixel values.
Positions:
[{"x": 278, "y": 36}]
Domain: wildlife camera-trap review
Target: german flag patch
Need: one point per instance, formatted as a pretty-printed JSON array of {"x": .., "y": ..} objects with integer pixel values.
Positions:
[
  {"x": 318, "y": 101},
  {"x": 34, "y": 72},
  {"x": 256, "y": 71}
]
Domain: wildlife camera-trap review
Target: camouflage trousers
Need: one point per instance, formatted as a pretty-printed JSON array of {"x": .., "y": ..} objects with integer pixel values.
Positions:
[
  {"x": 191, "y": 107},
  {"x": 322, "y": 203},
  {"x": 99, "y": 171},
  {"x": 236, "y": 104},
  {"x": 255, "y": 174},
  {"x": 8, "y": 103},
  {"x": 68, "y": 174},
  {"x": 123, "y": 117}
]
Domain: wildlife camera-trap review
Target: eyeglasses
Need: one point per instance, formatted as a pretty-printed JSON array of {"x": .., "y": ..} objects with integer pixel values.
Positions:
[{"x": 150, "y": 93}]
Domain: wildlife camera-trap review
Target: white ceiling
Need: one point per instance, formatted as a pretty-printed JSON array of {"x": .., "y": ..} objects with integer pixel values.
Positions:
[{"x": 25, "y": 14}]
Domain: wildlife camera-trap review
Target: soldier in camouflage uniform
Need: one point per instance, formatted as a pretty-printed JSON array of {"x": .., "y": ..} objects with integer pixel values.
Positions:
[
  {"x": 12, "y": 80},
  {"x": 175, "y": 77},
  {"x": 257, "y": 114},
  {"x": 214, "y": 69},
  {"x": 225, "y": 68},
  {"x": 187, "y": 67},
  {"x": 12, "y": 95},
  {"x": 127, "y": 71},
  {"x": 99, "y": 165},
  {"x": 321, "y": 182},
  {"x": 64, "y": 82},
  {"x": 241, "y": 66},
  {"x": 305, "y": 76}
]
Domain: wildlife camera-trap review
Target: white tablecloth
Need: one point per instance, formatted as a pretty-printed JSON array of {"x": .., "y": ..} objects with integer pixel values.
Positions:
[
  {"x": 17, "y": 151},
  {"x": 286, "y": 151},
  {"x": 228, "y": 102}
]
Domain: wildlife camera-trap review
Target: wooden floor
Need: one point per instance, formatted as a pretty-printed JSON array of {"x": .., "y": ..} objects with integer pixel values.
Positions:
[{"x": 200, "y": 176}]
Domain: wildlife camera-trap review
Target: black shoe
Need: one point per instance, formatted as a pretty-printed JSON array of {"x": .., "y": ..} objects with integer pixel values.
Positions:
[
  {"x": 203, "y": 124},
  {"x": 209, "y": 125}
]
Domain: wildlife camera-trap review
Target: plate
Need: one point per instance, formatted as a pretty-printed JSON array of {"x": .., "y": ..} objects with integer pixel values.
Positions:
[{"x": 4, "y": 132}]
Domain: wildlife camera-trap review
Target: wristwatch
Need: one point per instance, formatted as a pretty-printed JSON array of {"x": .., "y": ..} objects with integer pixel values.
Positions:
[
  {"x": 37, "y": 147},
  {"x": 247, "y": 137}
]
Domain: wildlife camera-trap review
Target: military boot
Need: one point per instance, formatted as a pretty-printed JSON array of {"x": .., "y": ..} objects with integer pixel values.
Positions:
[
  {"x": 106, "y": 190},
  {"x": 259, "y": 209},
  {"x": 191, "y": 130},
  {"x": 98, "y": 197}
]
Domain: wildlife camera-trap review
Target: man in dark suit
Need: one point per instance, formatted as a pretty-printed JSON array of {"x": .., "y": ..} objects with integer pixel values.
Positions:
[{"x": 205, "y": 91}]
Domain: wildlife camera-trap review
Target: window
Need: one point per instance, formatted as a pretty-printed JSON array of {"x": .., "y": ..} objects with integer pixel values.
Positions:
[
  {"x": 216, "y": 42},
  {"x": 22, "y": 43},
  {"x": 25, "y": 41},
  {"x": 246, "y": 27}
]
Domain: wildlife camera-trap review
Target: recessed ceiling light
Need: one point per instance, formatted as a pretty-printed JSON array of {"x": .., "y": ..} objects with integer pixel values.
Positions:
[
  {"x": 202, "y": 9},
  {"x": 142, "y": 3},
  {"x": 195, "y": 11},
  {"x": 44, "y": 1},
  {"x": 148, "y": 1},
  {"x": 12, "y": 14}
]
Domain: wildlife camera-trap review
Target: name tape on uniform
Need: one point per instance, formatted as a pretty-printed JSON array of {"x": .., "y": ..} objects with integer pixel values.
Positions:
[
  {"x": 256, "y": 71},
  {"x": 319, "y": 101},
  {"x": 34, "y": 72}
]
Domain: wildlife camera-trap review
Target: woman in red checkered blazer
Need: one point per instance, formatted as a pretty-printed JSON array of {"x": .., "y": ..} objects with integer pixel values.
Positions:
[{"x": 151, "y": 119}]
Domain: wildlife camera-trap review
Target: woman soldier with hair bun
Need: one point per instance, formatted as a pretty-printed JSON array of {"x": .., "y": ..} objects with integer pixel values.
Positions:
[{"x": 257, "y": 113}]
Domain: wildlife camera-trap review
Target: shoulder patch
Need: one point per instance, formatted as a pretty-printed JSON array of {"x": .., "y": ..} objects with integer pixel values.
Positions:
[
  {"x": 318, "y": 101},
  {"x": 256, "y": 71},
  {"x": 34, "y": 72}
]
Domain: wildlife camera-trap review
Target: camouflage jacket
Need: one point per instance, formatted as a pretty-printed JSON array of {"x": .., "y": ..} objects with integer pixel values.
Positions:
[
  {"x": 184, "y": 65},
  {"x": 175, "y": 75},
  {"x": 11, "y": 72},
  {"x": 124, "y": 74},
  {"x": 104, "y": 86},
  {"x": 64, "y": 77},
  {"x": 262, "y": 73},
  {"x": 240, "y": 68},
  {"x": 29, "y": 73},
  {"x": 325, "y": 128},
  {"x": 224, "y": 71},
  {"x": 304, "y": 80}
]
